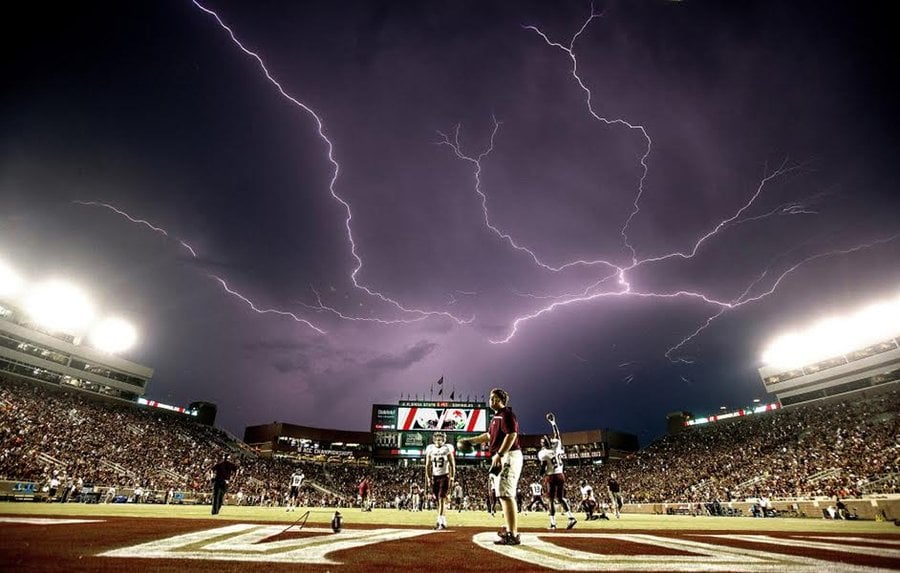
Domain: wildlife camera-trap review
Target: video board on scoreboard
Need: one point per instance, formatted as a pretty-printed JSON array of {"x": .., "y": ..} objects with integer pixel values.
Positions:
[{"x": 406, "y": 429}]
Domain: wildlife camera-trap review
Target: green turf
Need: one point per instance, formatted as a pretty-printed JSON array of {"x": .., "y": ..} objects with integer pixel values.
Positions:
[{"x": 387, "y": 517}]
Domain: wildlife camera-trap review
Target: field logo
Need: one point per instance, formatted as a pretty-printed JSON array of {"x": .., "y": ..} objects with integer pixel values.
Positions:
[
  {"x": 246, "y": 542},
  {"x": 538, "y": 551}
]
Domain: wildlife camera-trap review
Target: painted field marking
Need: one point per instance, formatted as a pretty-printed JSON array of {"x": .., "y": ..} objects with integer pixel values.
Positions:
[
  {"x": 808, "y": 542},
  {"x": 536, "y": 550},
  {"x": 857, "y": 539},
  {"x": 46, "y": 520},
  {"x": 246, "y": 542}
]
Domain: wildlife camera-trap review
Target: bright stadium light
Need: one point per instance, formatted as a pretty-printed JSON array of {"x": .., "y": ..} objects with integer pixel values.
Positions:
[
  {"x": 10, "y": 282},
  {"x": 112, "y": 335},
  {"x": 828, "y": 338},
  {"x": 834, "y": 337},
  {"x": 59, "y": 306},
  {"x": 784, "y": 351}
]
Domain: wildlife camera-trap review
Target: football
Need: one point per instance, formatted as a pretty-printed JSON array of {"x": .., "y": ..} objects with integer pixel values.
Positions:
[{"x": 464, "y": 446}]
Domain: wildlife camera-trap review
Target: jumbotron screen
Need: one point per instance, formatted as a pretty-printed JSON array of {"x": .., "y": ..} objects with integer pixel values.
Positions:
[{"x": 406, "y": 429}]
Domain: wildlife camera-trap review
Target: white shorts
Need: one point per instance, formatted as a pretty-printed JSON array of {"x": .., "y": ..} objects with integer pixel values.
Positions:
[{"x": 508, "y": 481}]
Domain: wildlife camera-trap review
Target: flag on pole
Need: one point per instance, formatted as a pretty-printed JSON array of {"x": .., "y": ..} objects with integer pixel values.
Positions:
[
  {"x": 441, "y": 381},
  {"x": 452, "y": 394},
  {"x": 440, "y": 391}
]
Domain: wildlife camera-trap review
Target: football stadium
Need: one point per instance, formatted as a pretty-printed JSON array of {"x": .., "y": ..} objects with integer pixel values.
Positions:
[
  {"x": 95, "y": 476},
  {"x": 448, "y": 287}
]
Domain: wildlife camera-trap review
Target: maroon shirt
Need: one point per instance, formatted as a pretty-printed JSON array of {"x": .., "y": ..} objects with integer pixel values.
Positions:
[{"x": 503, "y": 423}]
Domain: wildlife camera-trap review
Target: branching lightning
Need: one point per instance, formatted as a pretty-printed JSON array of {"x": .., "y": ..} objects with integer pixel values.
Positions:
[
  {"x": 216, "y": 278},
  {"x": 570, "y": 51},
  {"x": 336, "y": 168},
  {"x": 613, "y": 279},
  {"x": 592, "y": 292},
  {"x": 321, "y": 306},
  {"x": 476, "y": 162},
  {"x": 745, "y": 299}
]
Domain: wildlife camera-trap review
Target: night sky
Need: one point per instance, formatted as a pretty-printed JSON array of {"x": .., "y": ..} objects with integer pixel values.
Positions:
[{"x": 153, "y": 109}]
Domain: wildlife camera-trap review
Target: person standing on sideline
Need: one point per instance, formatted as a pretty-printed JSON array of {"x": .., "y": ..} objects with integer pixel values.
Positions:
[
  {"x": 551, "y": 459},
  {"x": 440, "y": 470},
  {"x": 502, "y": 438},
  {"x": 457, "y": 495},
  {"x": 296, "y": 482},
  {"x": 615, "y": 493},
  {"x": 365, "y": 491},
  {"x": 222, "y": 472}
]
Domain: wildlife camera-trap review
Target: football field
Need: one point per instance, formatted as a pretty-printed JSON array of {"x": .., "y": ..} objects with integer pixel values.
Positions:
[{"x": 80, "y": 537}]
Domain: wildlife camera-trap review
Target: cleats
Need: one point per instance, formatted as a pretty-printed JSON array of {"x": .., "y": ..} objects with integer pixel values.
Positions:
[
  {"x": 572, "y": 522},
  {"x": 509, "y": 539}
]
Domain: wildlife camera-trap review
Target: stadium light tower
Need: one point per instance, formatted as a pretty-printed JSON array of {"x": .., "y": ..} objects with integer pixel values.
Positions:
[
  {"x": 833, "y": 337},
  {"x": 59, "y": 306},
  {"x": 10, "y": 282},
  {"x": 112, "y": 335}
]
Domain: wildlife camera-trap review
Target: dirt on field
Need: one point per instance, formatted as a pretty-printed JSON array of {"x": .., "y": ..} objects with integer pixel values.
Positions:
[{"x": 213, "y": 545}]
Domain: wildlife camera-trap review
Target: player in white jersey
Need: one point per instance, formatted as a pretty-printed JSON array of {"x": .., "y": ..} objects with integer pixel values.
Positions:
[
  {"x": 537, "y": 499},
  {"x": 588, "y": 501},
  {"x": 440, "y": 470},
  {"x": 296, "y": 481},
  {"x": 551, "y": 458}
]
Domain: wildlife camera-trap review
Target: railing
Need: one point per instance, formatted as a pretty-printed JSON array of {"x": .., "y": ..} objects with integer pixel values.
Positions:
[
  {"x": 824, "y": 474},
  {"x": 50, "y": 460},
  {"x": 118, "y": 468},
  {"x": 744, "y": 485},
  {"x": 324, "y": 489},
  {"x": 884, "y": 478}
]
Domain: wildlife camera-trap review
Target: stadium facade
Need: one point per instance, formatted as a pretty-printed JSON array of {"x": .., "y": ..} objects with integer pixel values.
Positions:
[
  {"x": 875, "y": 366},
  {"x": 400, "y": 433},
  {"x": 29, "y": 353}
]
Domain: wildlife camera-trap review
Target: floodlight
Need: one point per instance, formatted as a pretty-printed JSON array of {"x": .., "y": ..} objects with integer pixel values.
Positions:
[
  {"x": 783, "y": 352},
  {"x": 834, "y": 337},
  {"x": 112, "y": 335},
  {"x": 829, "y": 338},
  {"x": 10, "y": 282},
  {"x": 59, "y": 306},
  {"x": 877, "y": 322}
]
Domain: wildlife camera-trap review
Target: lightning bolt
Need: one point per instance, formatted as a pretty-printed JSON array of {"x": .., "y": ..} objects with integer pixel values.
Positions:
[
  {"x": 193, "y": 253},
  {"x": 153, "y": 228},
  {"x": 258, "y": 310},
  {"x": 321, "y": 306},
  {"x": 454, "y": 145},
  {"x": 590, "y": 293},
  {"x": 570, "y": 52},
  {"x": 336, "y": 169},
  {"x": 744, "y": 299}
]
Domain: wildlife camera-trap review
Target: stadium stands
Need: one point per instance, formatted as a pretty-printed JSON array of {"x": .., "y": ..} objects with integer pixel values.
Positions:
[{"x": 93, "y": 446}]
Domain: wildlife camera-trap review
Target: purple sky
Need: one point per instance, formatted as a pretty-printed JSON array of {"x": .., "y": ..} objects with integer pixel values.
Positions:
[{"x": 152, "y": 108}]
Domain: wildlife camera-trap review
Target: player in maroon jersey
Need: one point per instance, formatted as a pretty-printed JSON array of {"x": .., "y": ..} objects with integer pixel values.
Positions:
[{"x": 502, "y": 438}]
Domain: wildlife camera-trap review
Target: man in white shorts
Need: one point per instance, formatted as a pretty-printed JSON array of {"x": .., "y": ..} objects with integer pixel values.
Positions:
[{"x": 502, "y": 438}]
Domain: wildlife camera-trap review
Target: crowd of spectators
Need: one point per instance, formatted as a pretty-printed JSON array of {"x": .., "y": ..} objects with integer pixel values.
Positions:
[
  {"x": 68, "y": 439},
  {"x": 838, "y": 448}
]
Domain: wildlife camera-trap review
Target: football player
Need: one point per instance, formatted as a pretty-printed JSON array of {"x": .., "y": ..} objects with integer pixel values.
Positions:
[
  {"x": 440, "y": 470},
  {"x": 296, "y": 482},
  {"x": 550, "y": 456},
  {"x": 588, "y": 501}
]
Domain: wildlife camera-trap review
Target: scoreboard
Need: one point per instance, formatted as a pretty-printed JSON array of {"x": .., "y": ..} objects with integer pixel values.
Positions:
[{"x": 404, "y": 430}]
